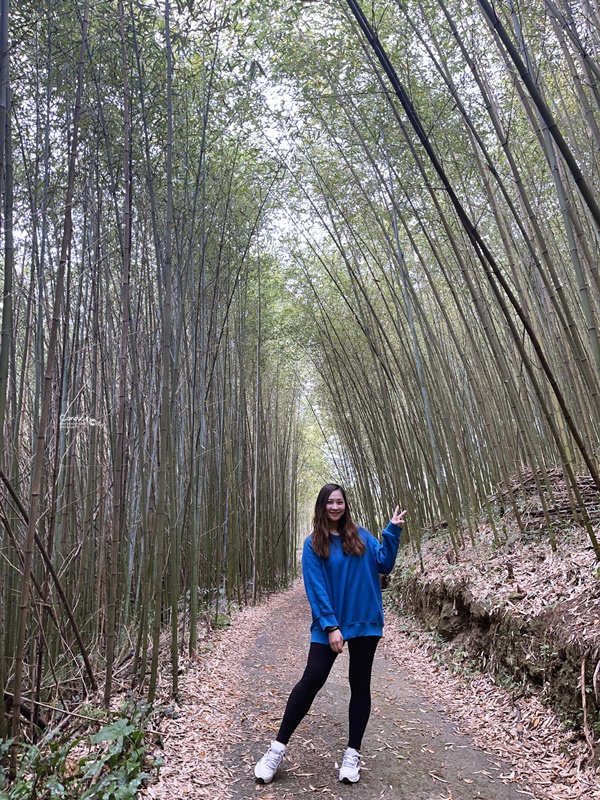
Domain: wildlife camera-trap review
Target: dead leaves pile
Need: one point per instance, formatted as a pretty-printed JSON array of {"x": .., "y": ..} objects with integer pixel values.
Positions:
[
  {"x": 527, "y": 734},
  {"x": 524, "y": 577},
  {"x": 560, "y": 505}
]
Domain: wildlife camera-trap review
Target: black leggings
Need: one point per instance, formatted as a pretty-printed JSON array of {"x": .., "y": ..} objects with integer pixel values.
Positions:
[{"x": 319, "y": 664}]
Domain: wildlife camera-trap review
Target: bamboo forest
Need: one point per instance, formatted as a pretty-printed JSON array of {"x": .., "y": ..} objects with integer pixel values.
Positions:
[{"x": 252, "y": 248}]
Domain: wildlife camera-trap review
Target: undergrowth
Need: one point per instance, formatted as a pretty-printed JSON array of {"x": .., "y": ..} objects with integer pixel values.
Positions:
[{"x": 109, "y": 763}]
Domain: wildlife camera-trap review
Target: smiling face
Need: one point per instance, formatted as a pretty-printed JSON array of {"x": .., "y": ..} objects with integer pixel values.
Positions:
[{"x": 335, "y": 508}]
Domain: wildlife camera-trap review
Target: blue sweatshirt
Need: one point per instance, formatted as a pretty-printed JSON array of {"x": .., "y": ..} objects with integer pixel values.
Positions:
[{"x": 344, "y": 590}]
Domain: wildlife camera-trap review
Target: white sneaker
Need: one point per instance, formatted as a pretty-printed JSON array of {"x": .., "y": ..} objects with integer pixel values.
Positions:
[
  {"x": 269, "y": 764},
  {"x": 350, "y": 769}
]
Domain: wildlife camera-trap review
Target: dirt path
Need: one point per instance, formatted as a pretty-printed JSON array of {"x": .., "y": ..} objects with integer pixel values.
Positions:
[
  {"x": 233, "y": 696},
  {"x": 232, "y": 702},
  {"x": 410, "y": 751}
]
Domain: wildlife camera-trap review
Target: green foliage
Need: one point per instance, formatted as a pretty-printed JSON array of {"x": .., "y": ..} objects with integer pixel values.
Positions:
[
  {"x": 222, "y": 621},
  {"x": 114, "y": 768}
]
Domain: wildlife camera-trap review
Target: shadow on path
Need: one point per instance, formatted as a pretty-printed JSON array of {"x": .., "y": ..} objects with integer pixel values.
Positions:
[{"x": 410, "y": 751}]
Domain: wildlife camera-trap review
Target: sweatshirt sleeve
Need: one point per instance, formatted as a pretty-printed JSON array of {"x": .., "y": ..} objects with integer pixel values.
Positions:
[
  {"x": 387, "y": 550},
  {"x": 316, "y": 589}
]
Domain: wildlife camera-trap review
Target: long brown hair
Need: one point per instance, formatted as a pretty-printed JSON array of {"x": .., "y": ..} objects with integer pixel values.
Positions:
[{"x": 352, "y": 542}]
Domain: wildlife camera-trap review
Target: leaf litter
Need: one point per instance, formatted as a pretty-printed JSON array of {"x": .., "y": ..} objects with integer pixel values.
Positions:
[
  {"x": 522, "y": 577},
  {"x": 547, "y": 757},
  {"x": 548, "y": 761},
  {"x": 211, "y": 688}
]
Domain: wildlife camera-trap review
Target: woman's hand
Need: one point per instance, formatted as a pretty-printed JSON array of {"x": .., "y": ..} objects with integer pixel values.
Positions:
[
  {"x": 336, "y": 641},
  {"x": 398, "y": 517}
]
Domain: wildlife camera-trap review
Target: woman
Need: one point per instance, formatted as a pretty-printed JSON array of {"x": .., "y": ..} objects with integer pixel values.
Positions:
[{"x": 341, "y": 564}]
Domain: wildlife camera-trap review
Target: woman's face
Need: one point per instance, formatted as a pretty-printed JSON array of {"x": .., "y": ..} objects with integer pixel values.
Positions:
[{"x": 335, "y": 507}]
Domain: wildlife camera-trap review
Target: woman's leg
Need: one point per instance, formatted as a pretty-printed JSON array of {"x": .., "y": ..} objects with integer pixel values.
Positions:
[
  {"x": 318, "y": 667},
  {"x": 362, "y": 652}
]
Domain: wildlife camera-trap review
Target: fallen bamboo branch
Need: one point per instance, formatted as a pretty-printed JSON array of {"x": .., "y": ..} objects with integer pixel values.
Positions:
[{"x": 59, "y": 710}]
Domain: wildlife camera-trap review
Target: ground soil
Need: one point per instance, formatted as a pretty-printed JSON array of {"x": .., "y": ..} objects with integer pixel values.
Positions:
[
  {"x": 483, "y": 650},
  {"x": 410, "y": 751},
  {"x": 517, "y": 609},
  {"x": 233, "y": 699}
]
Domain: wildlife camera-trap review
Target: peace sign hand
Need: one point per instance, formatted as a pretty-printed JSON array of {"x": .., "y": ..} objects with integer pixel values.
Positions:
[{"x": 398, "y": 517}]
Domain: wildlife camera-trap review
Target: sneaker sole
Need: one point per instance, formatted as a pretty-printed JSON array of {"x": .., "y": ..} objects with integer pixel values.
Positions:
[
  {"x": 347, "y": 780},
  {"x": 262, "y": 780}
]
